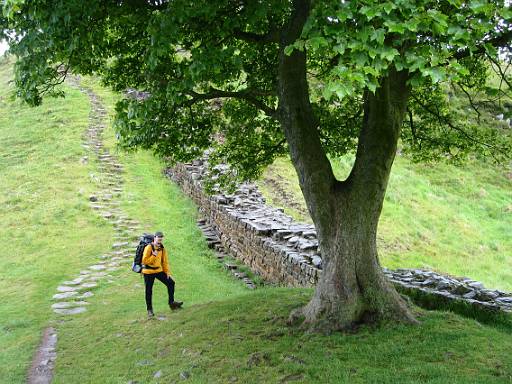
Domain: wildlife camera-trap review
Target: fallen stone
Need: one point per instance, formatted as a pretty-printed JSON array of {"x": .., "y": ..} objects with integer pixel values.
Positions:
[{"x": 157, "y": 375}]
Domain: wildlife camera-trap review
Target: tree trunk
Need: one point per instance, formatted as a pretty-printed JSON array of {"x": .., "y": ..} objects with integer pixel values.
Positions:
[{"x": 352, "y": 288}]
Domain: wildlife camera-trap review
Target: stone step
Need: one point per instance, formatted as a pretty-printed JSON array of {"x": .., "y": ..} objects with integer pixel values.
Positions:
[
  {"x": 69, "y": 304},
  {"x": 70, "y": 311}
]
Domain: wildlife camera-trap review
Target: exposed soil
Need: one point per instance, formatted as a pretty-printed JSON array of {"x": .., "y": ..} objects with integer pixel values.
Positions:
[
  {"x": 41, "y": 371},
  {"x": 282, "y": 196}
]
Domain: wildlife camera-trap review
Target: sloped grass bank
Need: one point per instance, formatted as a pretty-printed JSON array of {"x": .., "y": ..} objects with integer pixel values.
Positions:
[
  {"x": 245, "y": 339},
  {"x": 449, "y": 219},
  {"x": 48, "y": 230}
]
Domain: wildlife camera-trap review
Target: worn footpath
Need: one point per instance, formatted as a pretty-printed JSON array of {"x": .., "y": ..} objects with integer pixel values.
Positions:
[{"x": 72, "y": 296}]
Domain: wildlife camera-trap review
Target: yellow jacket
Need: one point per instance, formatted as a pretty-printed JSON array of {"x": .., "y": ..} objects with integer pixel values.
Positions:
[{"x": 159, "y": 261}]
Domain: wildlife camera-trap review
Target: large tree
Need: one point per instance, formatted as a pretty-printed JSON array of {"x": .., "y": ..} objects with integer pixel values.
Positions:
[{"x": 256, "y": 79}]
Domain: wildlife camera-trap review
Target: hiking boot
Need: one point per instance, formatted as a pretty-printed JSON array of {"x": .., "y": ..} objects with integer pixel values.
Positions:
[
  {"x": 150, "y": 314},
  {"x": 175, "y": 305}
]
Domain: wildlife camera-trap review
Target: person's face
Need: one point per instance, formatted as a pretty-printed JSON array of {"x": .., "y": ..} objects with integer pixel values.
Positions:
[{"x": 158, "y": 240}]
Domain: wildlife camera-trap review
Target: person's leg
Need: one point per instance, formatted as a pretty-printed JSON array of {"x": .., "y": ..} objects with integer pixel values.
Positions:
[
  {"x": 169, "y": 283},
  {"x": 149, "y": 280}
]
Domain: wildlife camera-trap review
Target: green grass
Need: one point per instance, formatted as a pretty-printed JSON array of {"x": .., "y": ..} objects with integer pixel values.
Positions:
[
  {"x": 246, "y": 339},
  {"x": 449, "y": 219},
  {"x": 225, "y": 333},
  {"x": 48, "y": 230}
]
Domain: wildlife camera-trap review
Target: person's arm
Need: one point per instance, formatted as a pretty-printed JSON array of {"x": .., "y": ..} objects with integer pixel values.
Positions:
[
  {"x": 165, "y": 263},
  {"x": 147, "y": 257}
]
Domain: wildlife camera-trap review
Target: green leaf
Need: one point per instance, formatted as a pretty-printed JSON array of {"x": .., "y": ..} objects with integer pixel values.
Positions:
[
  {"x": 378, "y": 35},
  {"x": 360, "y": 58},
  {"x": 395, "y": 27},
  {"x": 388, "y": 7},
  {"x": 317, "y": 42},
  {"x": 436, "y": 74},
  {"x": 479, "y": 5},
  {"x": 370, "y": 12},
  {"x": 372, "y": 86},
  {"x": 289, "y": 49},
  {"x": 388, "y": 53}
]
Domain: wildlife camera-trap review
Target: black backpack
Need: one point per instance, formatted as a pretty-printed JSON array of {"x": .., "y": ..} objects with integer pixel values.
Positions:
[{"x": 145, "y": 240}]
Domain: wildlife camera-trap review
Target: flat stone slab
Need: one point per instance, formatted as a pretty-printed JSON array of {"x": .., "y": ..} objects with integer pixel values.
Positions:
[
  {"x": 65, "y": 288},
  {"x": 97, "y": 267},
  {"x": 76, "y": 281},
  {"x": 69, "y": 304},
  {"x": 70, "y": 311},
  {"x": 119, "y": 245},
  {"x": 88, "y": 285},
  {"x": 65, "y": 295}
]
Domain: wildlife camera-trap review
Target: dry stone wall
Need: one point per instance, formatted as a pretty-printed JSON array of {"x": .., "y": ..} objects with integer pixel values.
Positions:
[{"x": 286, "y": 252}]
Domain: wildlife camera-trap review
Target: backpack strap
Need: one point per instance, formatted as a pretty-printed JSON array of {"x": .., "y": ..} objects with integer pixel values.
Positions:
[{"x": 144, "y": 266}]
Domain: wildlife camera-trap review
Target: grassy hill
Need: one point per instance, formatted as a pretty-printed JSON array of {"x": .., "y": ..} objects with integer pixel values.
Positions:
[{"x": 226, "y": 333}]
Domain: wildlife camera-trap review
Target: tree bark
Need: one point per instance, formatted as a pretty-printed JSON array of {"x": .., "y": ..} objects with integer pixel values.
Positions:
[{"x": 352, "y": 288}]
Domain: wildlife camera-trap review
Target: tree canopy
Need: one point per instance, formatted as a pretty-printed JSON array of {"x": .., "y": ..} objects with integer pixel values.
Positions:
[{"x": 185, "y": 55}]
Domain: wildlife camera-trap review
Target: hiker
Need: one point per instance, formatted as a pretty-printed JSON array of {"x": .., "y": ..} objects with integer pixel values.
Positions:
[{"x": 155, "y": 263}]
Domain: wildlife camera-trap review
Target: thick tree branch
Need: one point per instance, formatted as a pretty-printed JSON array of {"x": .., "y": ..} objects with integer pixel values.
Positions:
[
  {"x": 384, "y": 113},
  {"x": 300, "y": 125},
  {"x": 249, "y": 95}
]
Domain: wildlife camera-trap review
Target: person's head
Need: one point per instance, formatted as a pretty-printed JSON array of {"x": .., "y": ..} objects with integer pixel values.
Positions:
[{"x": 159, "y": 236}]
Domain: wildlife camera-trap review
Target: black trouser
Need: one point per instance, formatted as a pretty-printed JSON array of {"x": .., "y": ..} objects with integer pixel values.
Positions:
[{"x": 149, "y": 279}]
